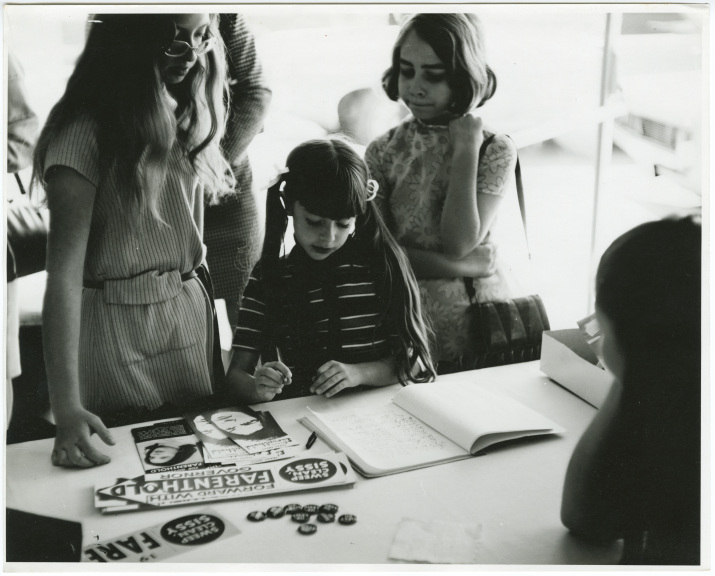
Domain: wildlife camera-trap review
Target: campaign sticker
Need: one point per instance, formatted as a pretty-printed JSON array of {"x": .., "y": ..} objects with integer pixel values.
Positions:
[
  {"x": 308, "y": 470},
  {"x": 193, "y": 529},
  {"x": 161, "y": 541}
]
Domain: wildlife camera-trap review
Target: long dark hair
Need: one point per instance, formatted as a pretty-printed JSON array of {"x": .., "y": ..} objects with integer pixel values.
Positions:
[
  {"x": 458, "y": 41},
  {"x": 117, "y": 83},
  {"x": 330, "y": 179}
]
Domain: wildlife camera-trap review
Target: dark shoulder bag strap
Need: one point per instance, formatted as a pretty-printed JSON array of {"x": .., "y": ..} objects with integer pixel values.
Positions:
[{"x": 219, "y": 374}]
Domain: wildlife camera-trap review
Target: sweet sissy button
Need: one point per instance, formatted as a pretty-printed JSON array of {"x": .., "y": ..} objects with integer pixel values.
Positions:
[
  {"x": 308, "y": 529},
  {"x": 275, "y": 512}
]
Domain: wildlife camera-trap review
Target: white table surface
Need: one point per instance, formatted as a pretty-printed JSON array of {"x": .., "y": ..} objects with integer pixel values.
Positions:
[{"x": 514, "y": 492}]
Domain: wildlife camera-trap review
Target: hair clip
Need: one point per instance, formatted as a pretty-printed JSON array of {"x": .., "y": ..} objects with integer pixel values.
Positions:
[
  {"x": 277, "y": 178},
  {"x": 372, "y": 188}
]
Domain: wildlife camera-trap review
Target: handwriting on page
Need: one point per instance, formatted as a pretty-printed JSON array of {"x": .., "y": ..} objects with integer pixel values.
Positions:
[{"x": 385, "y": 433}]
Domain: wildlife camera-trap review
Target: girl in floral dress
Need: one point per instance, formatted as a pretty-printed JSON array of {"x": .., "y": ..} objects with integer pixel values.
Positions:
[{"x": 441, "y": 194}]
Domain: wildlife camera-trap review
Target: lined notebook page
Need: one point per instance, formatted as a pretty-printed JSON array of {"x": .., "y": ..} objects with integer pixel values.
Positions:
[{"x": 386, "y": 437}]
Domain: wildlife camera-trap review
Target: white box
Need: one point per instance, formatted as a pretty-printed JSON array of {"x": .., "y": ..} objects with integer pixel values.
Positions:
[{"x": 567, "y": 359}]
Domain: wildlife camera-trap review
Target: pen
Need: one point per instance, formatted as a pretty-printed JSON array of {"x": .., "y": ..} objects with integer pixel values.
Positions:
[
  {"x": 311, "y": 440},
  {"x": 279, "y": 357}
]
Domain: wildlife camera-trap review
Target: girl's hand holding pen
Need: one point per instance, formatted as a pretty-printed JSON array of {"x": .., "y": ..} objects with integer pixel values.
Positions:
[{"x": 270, "y": 379}]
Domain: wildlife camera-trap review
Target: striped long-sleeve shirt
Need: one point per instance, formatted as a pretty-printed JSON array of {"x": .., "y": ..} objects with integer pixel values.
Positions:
[{"x": 329, "y": 310}]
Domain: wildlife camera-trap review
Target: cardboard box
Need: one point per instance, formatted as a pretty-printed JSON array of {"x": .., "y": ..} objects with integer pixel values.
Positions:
[{"x": 567, "y": 359}]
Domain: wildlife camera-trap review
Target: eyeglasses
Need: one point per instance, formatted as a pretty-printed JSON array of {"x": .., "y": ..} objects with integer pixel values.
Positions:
[{"x": 180, "y": 48}]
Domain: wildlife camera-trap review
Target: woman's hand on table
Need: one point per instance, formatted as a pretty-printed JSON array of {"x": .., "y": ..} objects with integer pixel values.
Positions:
[
  {"x": 333, "y": 376},
  {"x": 73, "y": 444},
  {"x": 270, "y": 379}
]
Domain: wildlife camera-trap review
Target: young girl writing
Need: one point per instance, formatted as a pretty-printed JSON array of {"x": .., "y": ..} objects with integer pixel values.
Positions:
[
  {"x": 635, "y": 473},
  {"x": 342, "y": 309},
  {"x": 125, "y": 158},
  {"x": 440, "y": 196}
]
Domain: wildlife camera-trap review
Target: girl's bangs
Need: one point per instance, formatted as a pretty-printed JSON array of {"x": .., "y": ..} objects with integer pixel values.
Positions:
[{"x": 334, "y": 198}]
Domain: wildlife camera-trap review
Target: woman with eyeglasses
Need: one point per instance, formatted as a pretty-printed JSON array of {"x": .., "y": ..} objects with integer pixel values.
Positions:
[{"x": 125, "y": 158}]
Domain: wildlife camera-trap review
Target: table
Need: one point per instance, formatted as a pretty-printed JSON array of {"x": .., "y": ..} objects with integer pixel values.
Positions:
[{"x": 514, "y": 492}]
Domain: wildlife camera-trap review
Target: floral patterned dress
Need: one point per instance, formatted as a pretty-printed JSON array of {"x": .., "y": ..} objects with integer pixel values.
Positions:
[{"x": 412, "y": 164}]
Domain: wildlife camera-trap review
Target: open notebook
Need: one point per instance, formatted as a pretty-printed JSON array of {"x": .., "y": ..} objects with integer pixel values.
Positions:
[{"x": 424, "y": 425}]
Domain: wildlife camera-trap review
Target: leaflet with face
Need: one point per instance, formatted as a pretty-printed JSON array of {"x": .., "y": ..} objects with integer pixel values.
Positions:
[
  {"x": 164, "y": 446},
  {"x": 219, "y": 448},
  {"x": 255, "y": 432}
]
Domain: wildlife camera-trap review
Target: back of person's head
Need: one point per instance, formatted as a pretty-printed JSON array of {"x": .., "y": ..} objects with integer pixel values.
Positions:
[
  {"x": 648, "y": 285},
  {"x": 458, "y": 40},
  {"x": 331, "y": 180},
  {"x": 117, "y": 82}
]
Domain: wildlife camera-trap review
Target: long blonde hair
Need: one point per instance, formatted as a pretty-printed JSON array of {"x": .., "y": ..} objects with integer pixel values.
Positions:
[{"x": 117, "y": 83}]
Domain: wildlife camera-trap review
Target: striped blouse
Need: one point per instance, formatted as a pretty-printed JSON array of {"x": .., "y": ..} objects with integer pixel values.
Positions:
[{"x": 327, "y": 310}]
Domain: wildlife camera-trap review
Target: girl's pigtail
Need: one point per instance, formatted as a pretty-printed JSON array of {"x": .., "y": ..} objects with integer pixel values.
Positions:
[
  {"x": 276, "y": 225},
  {"x": 413, "y": 360}
]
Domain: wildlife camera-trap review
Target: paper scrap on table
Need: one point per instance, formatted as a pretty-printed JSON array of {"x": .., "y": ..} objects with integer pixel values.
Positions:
[{"x": 437, "y": 542}]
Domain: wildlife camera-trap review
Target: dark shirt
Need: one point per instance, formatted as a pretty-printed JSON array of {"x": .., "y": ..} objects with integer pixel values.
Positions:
[
  {"x": 660, "y": 471},
  {"x": 333, "y": 309}
]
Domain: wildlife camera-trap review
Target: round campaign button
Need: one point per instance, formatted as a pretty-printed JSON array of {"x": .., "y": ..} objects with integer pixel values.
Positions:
[
  {"x": 325, "y": 517},
  {"x": 308, "y": 471},
  {"x": 291, "y": 508},
  {"x": 256, "y": 516},
  {"x": 193, "y": 529},
  {"x": 300, "y": 517},
  {"x": 347, "y": 519},
  {"x": 307, "y": 529},
  {"x": 275, "y": 512},
  {"x": 329, "y": 508},
  {"x": 311, "y": 508}
]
